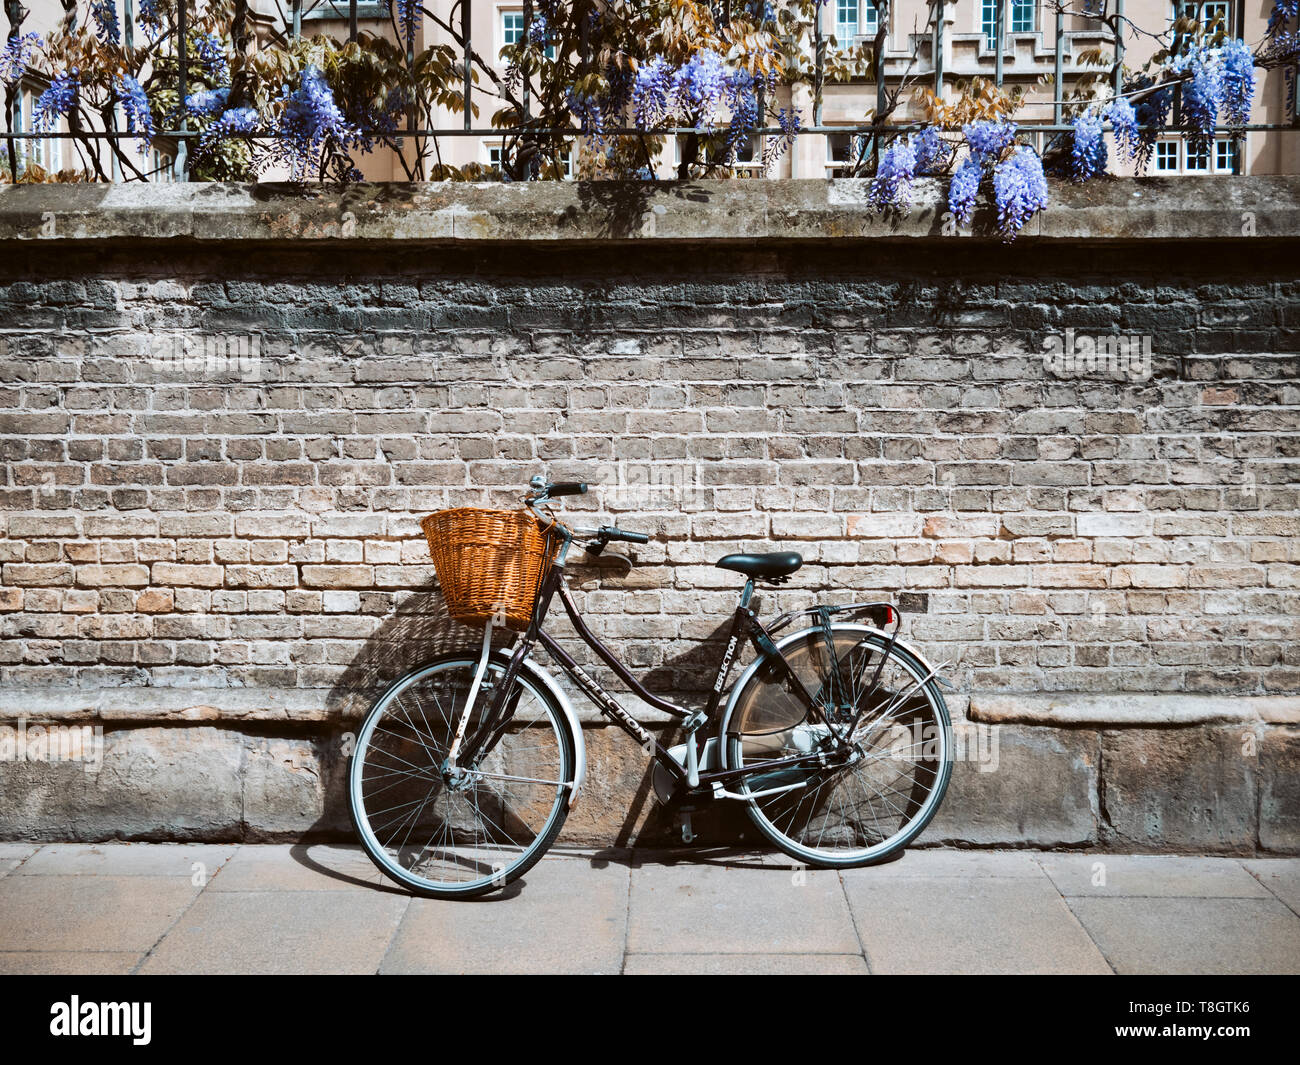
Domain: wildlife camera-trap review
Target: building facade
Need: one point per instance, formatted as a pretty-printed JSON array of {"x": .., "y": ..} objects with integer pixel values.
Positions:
[{"x": 935, "y": 46}]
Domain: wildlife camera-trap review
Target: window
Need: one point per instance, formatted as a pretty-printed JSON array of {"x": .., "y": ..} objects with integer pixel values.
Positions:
[
  {"x": 747, "y": 160},
  {"x": 1021, "y": 18},
  {"x": 160, "y": 166},
  {"x": 1206, "y": 12},
  {"x": 567, "y": 158},
  {"x": 855, "y": 18},
  {"x": 512, "y": 29},
  {"x": 1225, "y": 156},
  {"x": 1198, "y": 158},
  {"x": 1177, "y": 156},
  {"x": 842, "y": 153},
  {"x": 46, "y": 154}
]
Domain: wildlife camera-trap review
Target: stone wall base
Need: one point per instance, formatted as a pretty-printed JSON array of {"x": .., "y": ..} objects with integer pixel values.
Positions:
[{"x": 1206, "y": 788}]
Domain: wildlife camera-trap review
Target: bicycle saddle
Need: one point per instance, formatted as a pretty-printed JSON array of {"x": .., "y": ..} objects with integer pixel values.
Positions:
[{"x": 773, "y": 565}]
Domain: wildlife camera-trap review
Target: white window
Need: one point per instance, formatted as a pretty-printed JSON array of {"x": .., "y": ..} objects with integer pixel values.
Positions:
[
  {"x": 1177, "y": 156},
  {"x": 1020, "y": 16},
  {"x": 842, "y": 154},
  {"x": 161, "y": 166},
  {"x": 512, "y": 29},
  {"x": 1206, "y": 12},
  {"x": 45, "y": 153},
  {"x": 855, "y": 18},
  {"x": 1198, "y": 158},
  {"x": 1225, "y": 156}
]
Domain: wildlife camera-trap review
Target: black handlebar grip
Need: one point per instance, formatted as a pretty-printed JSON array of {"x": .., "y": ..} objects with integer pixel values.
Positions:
[
  {"x": 568, "y": 488},
  {"x": 611, "y": 533}
]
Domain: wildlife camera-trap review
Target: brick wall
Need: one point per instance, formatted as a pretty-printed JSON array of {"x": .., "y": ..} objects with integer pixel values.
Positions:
[
  {"x": 889, "y": 416},
  {"x": 245, "y": 516}
]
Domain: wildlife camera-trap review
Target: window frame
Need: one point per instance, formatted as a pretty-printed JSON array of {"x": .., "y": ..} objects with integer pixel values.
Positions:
[{"x": 504, "y": 10}]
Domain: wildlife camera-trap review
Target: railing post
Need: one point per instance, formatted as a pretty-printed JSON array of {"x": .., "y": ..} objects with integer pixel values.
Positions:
[
  {"x": 882, "y": 23},
  {"x": 182, "y": 70},
  {"x": 469, "y": 70},
  {"x": 297, "y": 19},
  {"x": 1119, "y": 47},
  {"x": 999, "y": 29},
  {"x": 352, "y": 20},
  {"x": 937, "y": 47},
  {"x": 128, "y": 24},
  {"x": 1058, "y": 91},
  {"x": 819, "y": 63}
]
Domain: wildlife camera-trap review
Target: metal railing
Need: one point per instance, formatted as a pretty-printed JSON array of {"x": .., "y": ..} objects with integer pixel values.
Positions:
[{"x": 349, "y": 11}]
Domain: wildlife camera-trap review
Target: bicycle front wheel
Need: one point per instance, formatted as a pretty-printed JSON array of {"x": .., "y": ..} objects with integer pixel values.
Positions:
[
  {"x": 855, "y": 811},
  {"x": 459, "y": 831}
]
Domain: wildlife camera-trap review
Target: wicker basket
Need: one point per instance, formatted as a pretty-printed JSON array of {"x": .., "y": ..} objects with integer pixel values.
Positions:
[{"x": 489, "y": 562}]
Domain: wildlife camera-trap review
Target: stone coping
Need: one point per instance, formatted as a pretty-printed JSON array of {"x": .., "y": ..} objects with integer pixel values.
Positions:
[
  {"x": 743, "y": 212},
  {"x": 1121, "y": 709},
  {"x": 149, "y": 706}
]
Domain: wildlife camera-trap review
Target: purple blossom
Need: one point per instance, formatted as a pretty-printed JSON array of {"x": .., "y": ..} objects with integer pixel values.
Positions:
[
  {"x": 964, "y": 188},
  {"x": 1202, "y": 93},
  {"x": 107, "y": 26},
  {"x": 1238, "y": 80},
  {"x": 16, "y": 56},
  {"x": 135, "y": 105},
  {"x": 989, "y": 138},
  {"x": 650, "y": 92},
  {"x": 406, "y": 17},
  {"x": 933, "y": 153},
  {"x": 207, "y": 101},
  {"x": 1282, "y": 14},
  {"x": 1087, "y": 147},
  {"x": 235, "y": 120},
  {"x": 56, "y": 100},
  {"x": 1123, "y": 120},
  {"x": 1019, "y": 189},
  {"x": 211, "y": 55},
  {"x": 892, "y": 185},
  {"x": 700, "y": 87},
  {"x": 310, "y": 118}
]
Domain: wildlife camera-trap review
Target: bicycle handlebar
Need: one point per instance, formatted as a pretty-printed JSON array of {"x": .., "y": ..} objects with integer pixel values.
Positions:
[{"x": 567, "y": 488}]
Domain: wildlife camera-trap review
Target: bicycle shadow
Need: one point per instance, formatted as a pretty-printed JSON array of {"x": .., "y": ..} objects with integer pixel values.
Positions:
[{"x": 419, "y": 628}]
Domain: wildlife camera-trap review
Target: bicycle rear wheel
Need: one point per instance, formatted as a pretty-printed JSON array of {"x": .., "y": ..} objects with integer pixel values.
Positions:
[
  {"x": 902, "y": 749},
  {"x": 460, "y": 832}
]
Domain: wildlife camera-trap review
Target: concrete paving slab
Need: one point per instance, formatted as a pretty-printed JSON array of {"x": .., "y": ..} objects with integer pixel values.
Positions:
[
  {"x": 709, "y": 909},
  {"x": 563, "y": 917},
  {"x": 962, "y": 864},
  {"x": 129, "y": 859},
  {"x": 1193, "y": 936},
  {"x": 89, "y": 913},
  {"x": 981, "y": 925},
  {"x": 1281, "y": 876},
  {"x": 1113, "y": 875},
  {"x": 280, "y": 932},
  {"x": 68, "y": 962},
  {"x": 281, "y": 867},
  {"x": 17, "y": 851},
  {"x": 745, "y": 965}
]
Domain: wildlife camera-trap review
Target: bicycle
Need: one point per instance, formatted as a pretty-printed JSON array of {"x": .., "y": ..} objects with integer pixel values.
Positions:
[{"x": 836, "y": 736}]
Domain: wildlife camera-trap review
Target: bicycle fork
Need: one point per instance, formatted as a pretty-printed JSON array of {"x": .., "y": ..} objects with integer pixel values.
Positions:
[{"x": 474, "y": 687}]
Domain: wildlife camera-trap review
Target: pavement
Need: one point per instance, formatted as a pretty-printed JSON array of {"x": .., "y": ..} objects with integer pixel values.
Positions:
[{"x": 229, "y": 908}]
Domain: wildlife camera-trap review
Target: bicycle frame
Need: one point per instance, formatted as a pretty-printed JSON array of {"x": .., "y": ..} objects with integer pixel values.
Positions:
[{"x": 744, "y": 626}]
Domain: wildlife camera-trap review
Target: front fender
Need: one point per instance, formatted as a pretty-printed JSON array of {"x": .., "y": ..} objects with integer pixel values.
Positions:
[{"x": 539, "y": 676}]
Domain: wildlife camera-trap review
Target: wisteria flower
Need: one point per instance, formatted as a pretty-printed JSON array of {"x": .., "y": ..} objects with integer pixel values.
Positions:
[{"x": 1019, "y": 190}]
